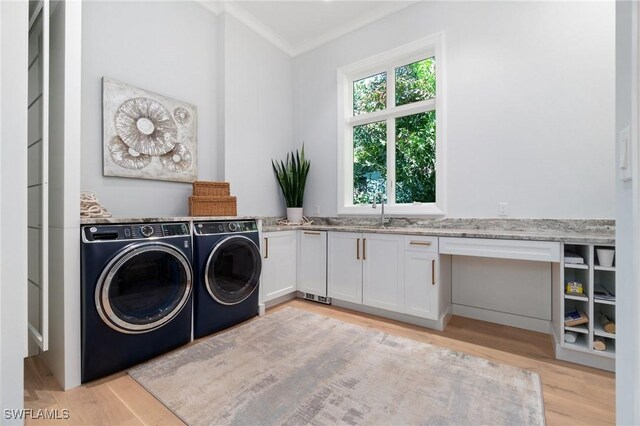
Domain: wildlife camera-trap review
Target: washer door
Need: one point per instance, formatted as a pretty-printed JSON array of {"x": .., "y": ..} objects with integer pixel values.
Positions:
[
  {"x": 233, "y": 270},
  {"x": 143, "y": 287}
]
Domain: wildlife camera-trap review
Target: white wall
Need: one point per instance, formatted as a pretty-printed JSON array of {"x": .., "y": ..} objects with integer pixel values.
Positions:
[
  {"x": 13, "y": 206},
  {"x": 166, "y": 47},
  {"x": 529, "y": 105},
  {"x": 258, "y": 111},
  {"x": 627, "y": 314}
]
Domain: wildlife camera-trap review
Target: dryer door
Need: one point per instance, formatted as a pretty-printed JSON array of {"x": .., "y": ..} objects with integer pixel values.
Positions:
[
  {"x": 233, "y": 270},
  {"x": 143, "y": 287}
]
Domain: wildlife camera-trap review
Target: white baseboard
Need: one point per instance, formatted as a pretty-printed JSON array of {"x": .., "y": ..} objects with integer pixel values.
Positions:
[
  {"x": 423, "y": 322},
  {"x": 278, "y": 300},
  {"x": 534, "y": 324},
  {"x": 446, "y": 317}
]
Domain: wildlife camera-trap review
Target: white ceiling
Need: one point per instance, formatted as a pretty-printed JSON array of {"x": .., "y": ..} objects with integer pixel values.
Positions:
[{"x": 297, "y": 26}]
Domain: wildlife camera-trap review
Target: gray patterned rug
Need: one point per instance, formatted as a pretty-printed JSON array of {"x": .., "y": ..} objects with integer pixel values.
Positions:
[{"x": 294, "y": 367}]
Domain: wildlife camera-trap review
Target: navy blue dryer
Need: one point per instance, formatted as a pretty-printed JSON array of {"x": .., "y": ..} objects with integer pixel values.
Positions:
[
  {"x": 227, "y": 266},
  {"x": 136, "y": 294}
]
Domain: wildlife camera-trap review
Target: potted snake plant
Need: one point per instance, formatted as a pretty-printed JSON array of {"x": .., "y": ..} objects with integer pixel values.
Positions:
[{"x": 292, "y": 178}]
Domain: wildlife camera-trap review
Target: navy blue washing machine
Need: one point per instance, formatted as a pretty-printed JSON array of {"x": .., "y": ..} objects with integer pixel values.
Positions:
[
  {"x": 227, "y": 266},
  {"x": 137, "y": 284}
]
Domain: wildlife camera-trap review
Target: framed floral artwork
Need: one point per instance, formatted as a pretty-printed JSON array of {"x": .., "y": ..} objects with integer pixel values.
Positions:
[{"x": 146, "y": 135}]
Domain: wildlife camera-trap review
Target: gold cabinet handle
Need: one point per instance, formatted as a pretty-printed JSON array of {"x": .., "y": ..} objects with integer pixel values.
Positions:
[
  {"x": 358, "y": 249},
  {"x": 420, "y": 243},
  {"x": 364, "y": 249},
  {"x": 311, "y": 233},
  {"x": 266, "y": 248},
  {"x": 433, "y": 272}
]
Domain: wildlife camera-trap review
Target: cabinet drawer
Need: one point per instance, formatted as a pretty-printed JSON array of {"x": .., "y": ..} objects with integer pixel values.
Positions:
[
  {"x": 541, "y": 251},
  {"x": 421, "y": 243}
]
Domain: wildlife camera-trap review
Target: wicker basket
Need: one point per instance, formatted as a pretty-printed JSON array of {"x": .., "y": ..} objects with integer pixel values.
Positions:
[
  {"x": 212, "y": 206},
  {"x": 211, "y": 189}
]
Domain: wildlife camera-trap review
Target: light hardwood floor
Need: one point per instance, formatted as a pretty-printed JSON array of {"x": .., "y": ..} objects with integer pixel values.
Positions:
[{"x": 573, "y": 394}]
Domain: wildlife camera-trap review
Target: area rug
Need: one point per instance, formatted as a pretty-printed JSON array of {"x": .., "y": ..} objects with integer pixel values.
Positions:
[{"x": 294, "y": 367}]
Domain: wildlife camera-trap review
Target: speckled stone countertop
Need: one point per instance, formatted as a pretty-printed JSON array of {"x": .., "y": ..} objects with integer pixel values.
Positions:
[
  {"x": 562, "y": 230},
  {"x": 586, "y": 231},
  {"x": 108, "y": 220}
]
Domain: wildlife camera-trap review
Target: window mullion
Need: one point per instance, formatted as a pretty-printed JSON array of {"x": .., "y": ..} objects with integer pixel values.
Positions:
[
  {"x": 391, "y": 160},
  {"x": 401, "y": 111},
  {"x": 391, "y": 137},
  {"x": 348, "y": 166},
  {"x": 391, "y": 88}
]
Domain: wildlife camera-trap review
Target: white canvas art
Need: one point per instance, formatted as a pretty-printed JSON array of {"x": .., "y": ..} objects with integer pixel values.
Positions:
[{"x": 146, "y": 135}]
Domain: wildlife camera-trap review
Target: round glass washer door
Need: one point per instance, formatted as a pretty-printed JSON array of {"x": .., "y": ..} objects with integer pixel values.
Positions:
[
  {"x": 233, "y": 270},
  {"x": 143, "y": 288}
]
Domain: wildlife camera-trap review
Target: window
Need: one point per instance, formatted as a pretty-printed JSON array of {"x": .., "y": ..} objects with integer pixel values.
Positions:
[{"x": 390, "y": 131}]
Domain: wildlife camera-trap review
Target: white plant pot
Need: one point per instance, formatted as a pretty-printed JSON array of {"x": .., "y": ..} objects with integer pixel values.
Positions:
[
  {"x": 294, "y": 214},
  {"x": 605, "y": 256}
]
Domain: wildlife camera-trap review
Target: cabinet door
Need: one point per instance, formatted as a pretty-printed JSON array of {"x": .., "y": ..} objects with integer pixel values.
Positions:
[
  {"x": 383, "y": 271},
  {"x": 312, "y": 262},
  {"x": 344, "y": 267},
  {"x": 278, "y": 264},
  {"x": 421, "y": 284}
]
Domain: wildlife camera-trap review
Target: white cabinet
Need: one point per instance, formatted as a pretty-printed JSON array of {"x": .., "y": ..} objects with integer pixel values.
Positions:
[
  {"x": 344, "y": 267},
  {"x": 397, "y": 273},
  {"x": 598, "y": 300},
  {"x": 421, "y": 289},
  {"x": 383, "y": 271},
  {"x": 312, "y": 262},
  {"x": 279, "y": 253}
]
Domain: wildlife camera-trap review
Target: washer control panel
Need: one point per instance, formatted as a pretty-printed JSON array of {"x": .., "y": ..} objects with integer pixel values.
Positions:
[
  {"x": 140, "y": 231},
  {"x": 227, "y": 227},
  {"x": 147, "y": 230}
]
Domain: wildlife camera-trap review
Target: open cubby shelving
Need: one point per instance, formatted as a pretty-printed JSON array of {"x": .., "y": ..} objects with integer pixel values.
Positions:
[{"x": 592, "y": 275}]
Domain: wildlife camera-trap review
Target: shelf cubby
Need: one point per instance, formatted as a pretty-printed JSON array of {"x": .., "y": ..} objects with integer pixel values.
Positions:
[
  {"x": 592, "y": 276},
  {"x": 596, "y": 261},
  {"x": 579, "y": 275},
  {"x": 599, "y": 331},
  {"x": 610, "y": 351},
  {"x": 581, "y": 250},
  {"x": 607, "y": 280},
  {"x": 581, "y": 343},
  {"x": 610, "y": 312}
]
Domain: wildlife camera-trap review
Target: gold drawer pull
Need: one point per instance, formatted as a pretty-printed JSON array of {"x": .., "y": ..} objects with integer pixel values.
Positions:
[
  {"x": 420, "y": 243},
  {"x": 364, "y": 249},
  {"x": 433, "y": 272},
  {"x": 358, "y": 249},
  {"x": 266, "y": 248},
  {"x": 311, "y": 233}
]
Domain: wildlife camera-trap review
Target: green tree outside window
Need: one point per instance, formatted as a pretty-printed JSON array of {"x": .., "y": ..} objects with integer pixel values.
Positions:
[{"x": 415, "y": 137}]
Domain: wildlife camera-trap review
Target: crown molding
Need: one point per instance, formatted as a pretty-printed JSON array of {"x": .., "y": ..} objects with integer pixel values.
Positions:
[
  {"x": 235, "y": 9},
  {"x": 348, "y": 27},
  {"x": 217, "y": 7},
  {"x": 242, "y": 15}
]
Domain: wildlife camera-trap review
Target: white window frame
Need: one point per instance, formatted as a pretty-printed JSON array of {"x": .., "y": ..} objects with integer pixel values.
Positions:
[{"x": 387, "y": 62}]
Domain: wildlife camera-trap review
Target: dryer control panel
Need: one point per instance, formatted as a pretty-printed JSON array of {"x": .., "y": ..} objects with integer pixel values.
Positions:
[
  {"x": 226, "y": 227},
  {"x": 138, "y": 231}
]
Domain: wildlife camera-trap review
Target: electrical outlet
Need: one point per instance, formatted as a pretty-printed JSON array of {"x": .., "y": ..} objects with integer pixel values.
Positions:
[
  {"x": 503, "y": 209},
  {"x": 316, "y": 210}
]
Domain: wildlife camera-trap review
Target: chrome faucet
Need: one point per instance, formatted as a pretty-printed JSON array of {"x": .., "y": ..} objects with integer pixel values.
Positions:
[{"x": 374, "y": 205}]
